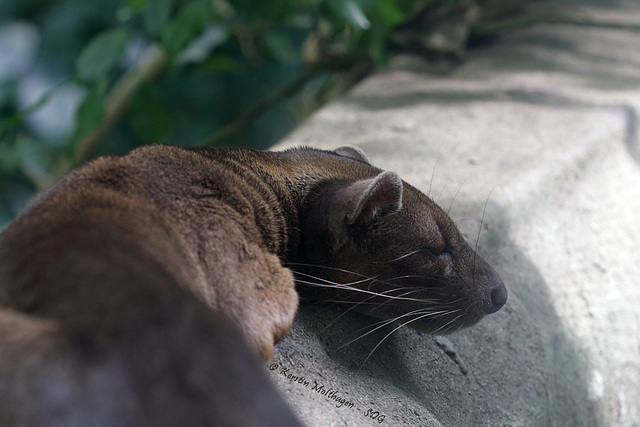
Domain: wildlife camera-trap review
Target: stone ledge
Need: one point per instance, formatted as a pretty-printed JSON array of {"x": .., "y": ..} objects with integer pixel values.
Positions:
[{"x": 541, "y": 127}]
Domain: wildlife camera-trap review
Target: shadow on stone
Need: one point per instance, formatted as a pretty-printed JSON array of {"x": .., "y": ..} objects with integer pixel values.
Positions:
[
  {"x": 628, "y": 113},
  {"x": 520, "y": 363}
]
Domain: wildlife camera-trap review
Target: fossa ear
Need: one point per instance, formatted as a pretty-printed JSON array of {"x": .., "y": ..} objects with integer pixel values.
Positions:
[
  {"x": 332, "y": 210},
  {"x": 368, "y": 198},
  {"x": 353, "y": 152},
  {"x": 361, "y": 201}
]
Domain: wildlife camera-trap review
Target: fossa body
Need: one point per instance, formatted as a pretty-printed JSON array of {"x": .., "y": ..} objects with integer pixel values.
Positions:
[{"x": 138, "y": 290}]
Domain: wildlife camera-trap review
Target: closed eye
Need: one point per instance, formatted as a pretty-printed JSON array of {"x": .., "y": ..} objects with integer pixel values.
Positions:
[
  {"x": 445, "y": 253},
  {"x": 447, "y": 256}
]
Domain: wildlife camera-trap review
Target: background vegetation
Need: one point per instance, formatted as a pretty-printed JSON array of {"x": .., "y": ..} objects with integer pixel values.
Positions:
[{"x": 80, "y": 79}]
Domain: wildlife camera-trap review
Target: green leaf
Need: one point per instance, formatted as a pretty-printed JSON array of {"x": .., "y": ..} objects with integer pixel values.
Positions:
[
  {"x": 390, "y": 12},
  {"x": 137, "y": 5},
  {"x": 281, "y": 48},
  {"x": 156, "y": 16},
  {"x": 149, "y": 117},
  {"x": 220, "y": 64},
  {"x": 101, "y": 54},
  {"x": 91, "y": 110},
  {"x": 199, "y": 49},
  {"x": 10, "y": 157},
  {"x": 378, "y": 35},
  {"x": 13, "y": 121},
  {"x": 191, "y": 21},
  {"x": 350, "y": 11}
]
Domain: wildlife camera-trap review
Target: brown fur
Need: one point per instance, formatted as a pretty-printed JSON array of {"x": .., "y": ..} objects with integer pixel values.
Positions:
[{"x": 132, "y": 274}]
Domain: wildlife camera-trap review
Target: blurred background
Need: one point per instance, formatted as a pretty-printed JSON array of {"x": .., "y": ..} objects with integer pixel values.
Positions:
[{"x": 80, "y": 79}]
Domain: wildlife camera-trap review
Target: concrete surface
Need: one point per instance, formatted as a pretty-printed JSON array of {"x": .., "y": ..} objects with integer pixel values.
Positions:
[{"x": 541, "y": 127}]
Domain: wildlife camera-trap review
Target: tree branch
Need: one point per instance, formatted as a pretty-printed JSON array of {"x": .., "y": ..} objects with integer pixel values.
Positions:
[
  {"x": 244, "y": 119},
  {"x": 151, "y": 63},
  {"x": 330, "y": 64}
]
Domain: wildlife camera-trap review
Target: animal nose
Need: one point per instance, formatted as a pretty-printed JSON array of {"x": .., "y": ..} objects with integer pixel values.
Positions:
[
  {"x": 494, "y": 292},
  {"x": 498, "y": 298}
]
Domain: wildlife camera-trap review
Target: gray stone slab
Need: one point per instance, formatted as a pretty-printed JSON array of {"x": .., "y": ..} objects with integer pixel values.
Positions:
[{"x": 532, "y": 145}]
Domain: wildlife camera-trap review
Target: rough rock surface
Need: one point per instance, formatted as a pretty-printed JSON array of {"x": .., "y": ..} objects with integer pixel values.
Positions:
[{"x": 541, "y": 128}]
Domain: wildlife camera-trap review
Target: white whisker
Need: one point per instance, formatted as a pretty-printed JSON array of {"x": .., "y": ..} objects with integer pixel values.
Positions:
[
  {"x": 388, "y": 322},
  {"x": 342, "y": 270},
  {"x": 333, "y": 283},
  {"x": 405, "y": 324},
  {"x": 364, "y": 291},
  {"x": 443, "y": 328},
  {"x": 409, "y": 254}
]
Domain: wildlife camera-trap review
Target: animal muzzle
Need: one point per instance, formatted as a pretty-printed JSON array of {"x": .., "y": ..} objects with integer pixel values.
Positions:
[
  {"x": 494, "y": 292},
  {"x": 498, "y": 298}
]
